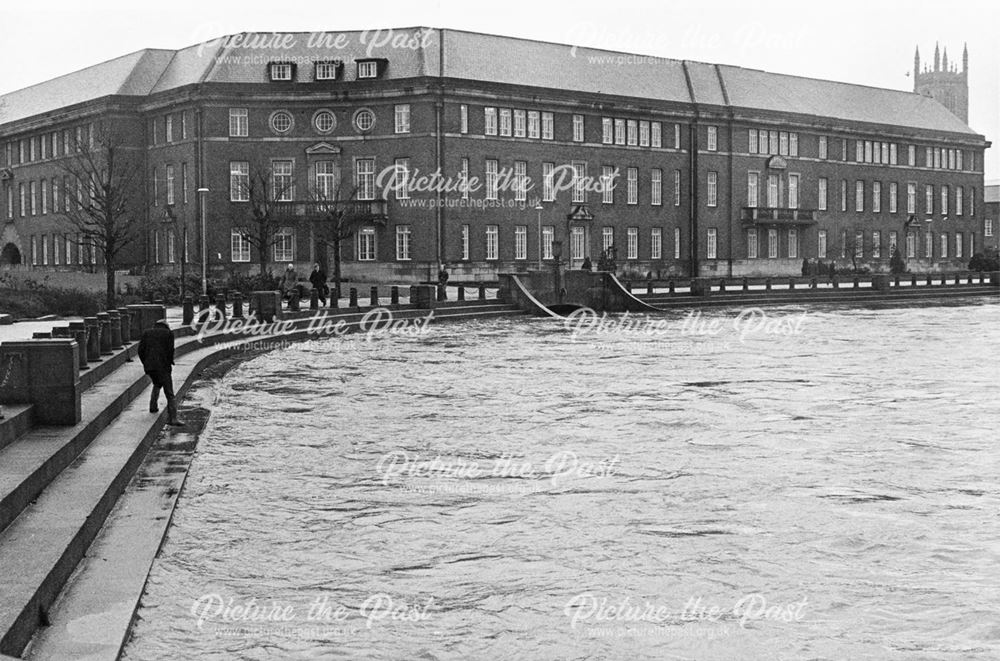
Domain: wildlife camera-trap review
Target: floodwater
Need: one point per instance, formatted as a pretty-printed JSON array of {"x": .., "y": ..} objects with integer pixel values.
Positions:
[{"x": 817, "y": 484}]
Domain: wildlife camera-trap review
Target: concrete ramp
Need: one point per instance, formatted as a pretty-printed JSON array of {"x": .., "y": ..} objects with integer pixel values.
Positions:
[{"x": 548, "y": 293}]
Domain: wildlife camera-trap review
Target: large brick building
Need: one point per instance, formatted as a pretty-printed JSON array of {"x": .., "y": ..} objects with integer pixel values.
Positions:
[{"x": 507, "y": 146}]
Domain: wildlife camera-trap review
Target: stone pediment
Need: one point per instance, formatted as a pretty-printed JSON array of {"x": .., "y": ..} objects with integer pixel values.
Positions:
[{"x": 323, "y": 149}]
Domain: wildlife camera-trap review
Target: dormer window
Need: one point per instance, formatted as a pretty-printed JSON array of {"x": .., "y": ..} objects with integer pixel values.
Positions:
[
  {"x": 281, "y": 71},
  {"x": 371, "y": 68},
  {"x": 328, "y": 70}
]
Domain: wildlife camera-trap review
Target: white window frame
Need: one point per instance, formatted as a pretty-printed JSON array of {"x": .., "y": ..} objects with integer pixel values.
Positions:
[
  {"x": 404, "y": 236},
  {"x": 239, "y": 181},
  {"x": 712, "y": 188},
  {"x": 239, "y": 122},
  {"x": 364, "y": 178},
  {"x": 239, "y": 246},
  {"x": 492, "y": 242},
  {"x": 712, "y": 139},
  {"x": 632, "y": 189},
  {"x": 656, "y": 187},
  {"x": 489, "y": 120},
  {"x": 283, "y": 247},
  {"x": 367, "y": 245},
  {"x": 656, "y": 243},
  {"x": 402, "y": 117},
  {"x": 712, "y": 243},
  {"x": 520, "y": 242},
  {"x": 578, "y": 128},
  {"x": 632, "y": 242}
]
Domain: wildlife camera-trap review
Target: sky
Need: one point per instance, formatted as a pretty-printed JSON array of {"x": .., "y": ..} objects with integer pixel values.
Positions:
[{"x": 869, "y": 42}]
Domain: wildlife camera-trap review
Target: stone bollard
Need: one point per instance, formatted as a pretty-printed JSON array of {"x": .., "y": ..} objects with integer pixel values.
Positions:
[
  {"x": 880, "y": 282},
  {"x": 813, "y": 283},
  {"x": 314, "y": 299},
  {"x": 203, "y": 303},
  {"x": 835, "y": 281},
  {"x": 970, "y": 279},
  {"x": 628, "y": 286},
  {"x": 649, "y": 286},
  {"x": 423, "y": 297},
  {"x": 767, "y": 284},
  {"x": 293, "y": 301},
  {"x": 144, "y": 316},
  {"x": 394, "y": 295},
  {"x": 45, "y": 373},
  {"x": 701, "y": 287},
  {"x": 334, "y": 299},
  {"x": 126, "y": 321},
  {"x": 722, "y": 284},
  {"x": 374, "y": 297},
  {"x": 352, "y": 297},
  {"x": 266, "y": 305},
  {"x": 482, "y": 292},
  {"x": 670, "y": 286},
  {"x": 746, "y": 284},
  {"x": 79, "y": 331},
  {"x": 896, "y": 281},
  {"x": 913, "y": 280},
  {"x": 460, "y": 295},
  {"x": 929, "y": 281},
  {"x": 857, "y": 282},
  {"x": 188, "y": 307},
  {"x": 220, "y": 304},
  {"x": 237, "y": 305},
  {"x": 104, "y": 320},
  {"x": 116, "y": 330},
  {"x": 93, "y": 327},
  {"x": 442, "y": 292},
  {"x": 791, "y": 284}
]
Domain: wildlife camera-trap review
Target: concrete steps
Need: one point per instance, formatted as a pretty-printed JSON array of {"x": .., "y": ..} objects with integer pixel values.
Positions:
[{"x": 59, "y": 484}]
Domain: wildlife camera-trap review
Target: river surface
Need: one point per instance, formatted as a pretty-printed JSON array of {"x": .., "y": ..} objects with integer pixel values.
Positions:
[{"x": 822, "y": 486}]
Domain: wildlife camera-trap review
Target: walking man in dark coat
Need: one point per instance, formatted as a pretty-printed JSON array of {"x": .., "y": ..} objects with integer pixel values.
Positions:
[
  {"x": 156, "y": 351},
  {"x": 318, "y": 280}
]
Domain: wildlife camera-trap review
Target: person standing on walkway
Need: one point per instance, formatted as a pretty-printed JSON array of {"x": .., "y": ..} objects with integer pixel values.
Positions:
[
  {"x": 318, "y": 280},
  {"x": 290, "y": 281},
  {"x": 156, "y": 351}
]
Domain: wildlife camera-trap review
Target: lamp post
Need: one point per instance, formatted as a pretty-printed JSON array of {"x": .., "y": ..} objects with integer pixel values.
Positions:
[
  {"x": 556, "y": 267},
  {"x": 538, "y": 208},
  {"x": 203, "y": 192}
]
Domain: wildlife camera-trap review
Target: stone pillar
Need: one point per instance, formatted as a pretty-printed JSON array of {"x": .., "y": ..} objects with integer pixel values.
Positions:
[
  {"x": 314, "y": 299},
  {"x": 93, "y": 338},
  {"x": 79, "y": 331},
  {"x": 442, "y": 292},
  {"x": 746, "y": 284},
  {"x": 482, "y": 293},
  {"x": 266, "y": 305},
  {"x": 791, "y": 283},
  {"x": 722, "y": 284},
  {"x": 220, "y": 304},
  {"x": 423, "y": 297},
  {"x": 126, "y": 320},
  {"x": 461, "y": 293},
  {"x": 701, "y": 287},
  {"x": 116, "y": 330},
  {"x": 188, "y": 307},
  {"x": 293, "y": 301},
  {"x": 880, "y": 282},
  {"x": 237, "y": 305},
  {"x": 394, "y": 295},
  {"x": 353, "y": 294},
  {"x": 334, "y": 299},
  {"x": 203, "y": 303},
  {"x": 144, "y": 316},
  {"x": 374, "y": 297},
  {"x": 45, "y": 373},
  {"x": 767, "y": 284},
  {"x": 104, "y": 320},
  {"x": 857, "y": 282}
]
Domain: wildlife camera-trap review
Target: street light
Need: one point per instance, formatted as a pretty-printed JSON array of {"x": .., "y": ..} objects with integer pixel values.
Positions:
[
  {"x": 168, "y": 211},
  {"x": 538, "y": 208},
  {"x": 203, "y": 192}
]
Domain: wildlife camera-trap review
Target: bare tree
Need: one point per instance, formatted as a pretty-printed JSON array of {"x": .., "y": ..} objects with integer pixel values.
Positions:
[
  {"x": 105, "y": 196},
  {"x": 338, "y": 224},
  {"x": 268, "y": 198}
]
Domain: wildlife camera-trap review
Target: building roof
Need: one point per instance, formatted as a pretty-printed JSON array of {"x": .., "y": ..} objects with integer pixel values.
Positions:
[{"x": 415, "y": 52}]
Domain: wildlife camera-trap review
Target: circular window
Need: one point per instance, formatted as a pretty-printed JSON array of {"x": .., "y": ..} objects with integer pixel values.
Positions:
[
  {"x": 364, "y": 119},
  {"x": 324, "y": 121},
  {"x": 281, "y": 121}
]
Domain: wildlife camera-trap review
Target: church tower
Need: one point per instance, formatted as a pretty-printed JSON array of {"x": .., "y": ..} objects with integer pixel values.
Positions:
[{"x": 943, "y": 81}]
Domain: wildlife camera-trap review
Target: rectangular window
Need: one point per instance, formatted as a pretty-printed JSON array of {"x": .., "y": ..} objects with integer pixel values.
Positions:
[
  {"x": 607, "y": 131},
  {"x": 520, "y": 180},
  {"x": 752, "y": 243},
  {"x": 492, "y": 232},
  {"x": 169, "y": 124},
  {"x": 239, "y": 246},
  {"x": 170, "y": 183},
  {"x": 753, "y": 189},
  {"x": 506, "y": 128},
  {"x": 677, "y": 243},
  {"x": 937, "y": 157},
  {"x": 326, "y": 70},
  {"x": 877, "y": 244},
  {"x": 520, "y": 124},
  {"x": 607, "y": 238},
  {"x": 403, "y": 234},
  {"x": 67, "y": 194},
  {"x": 368, "y": 69},
  {"x": 633, "y": 132},
  {"x": 893, "y": 154},
  {"x": 326, "y": 180},
  {"x": 282, "y": 183},
  {"x": 656, "y": 243},
  {"x": 859, "y": 155},
  {"x": 911, "y": 198},
  {"x": 783, "y": 143},
  {"x": 752, "y": 141},
  {"x": 893, "y": 195},
  {"x": 492, "y": 181},
  {"x": 988, "y": 227},
  {"x": 239, "y": 122},
  {"x": 793, "y": 144},
  {"x": 822, "y": 146},
  {"x": 607, "y": 184},
  {"x": 713, "y": 189},
  {"x": 45, "y": 249},
  {"x": 677, "y": 136},
  {"x": 762, "y": 143},
  {"x": 929, "y": 245},
  {"x": 773, "y": 139},
  {"x": 944, "y": 201},
  {"x": 959, "y": 200},
  {"x": 364, "y": 178},
  {"x": 33, "y": 186},
  {"x": 893, "y": 242},
  {"x": 643, "y": 133},
  {"x": 579, "y": 181},
  {"x": 911, "y": 156},
  {"x": 576, "y": 239},
  {"x": 821, "y": 244},
  {"x": 656, "y": 187},
  {"x": 402, "y": 115},
  {"x": 929, "y": 198},
  {"x": 465, "y": 242},
  {"x": 45, "y": 196},
  {"x": 402, "y": 183},
  {"x": 520, "y": 242},
  {"x": 859, "y": 244},
  {"x": 548, "y": 130},
  {"x": 490, "y": 121},
  {"x": 655, "y": 135},
  {"x": 822, "y": 192},
  {"x": 367, "y": 244},
  {"x": 577, "y": 128},
  {"x": 958, "y": 242},
  {"x": 772, "y": 244},
  {"x": 632, "y": 177},
  {"x": 859, "y": 196},
  {"x": 772, "y": 191},
  {"x": 534, "y": 124},
  {"x": 156, "y": 189},
  {"x": 944, "y": 246},
  {"x": 793, "y": 191},
  {"x": 911, "y": 245},
  {"x": 619, "y": 131},
  {"x": 184, "y": 183},
  {"x": 876, "y": 197},
  {"x": 793, "y": 244},
  {"x": 677, "y": 188},
  {"x": 281, "y": 71},
  {"x": 868, "y": 151},
  {"x": 711, "y": 243},
  {"x": 548, "y": 184},
  {"x": 463, "y": 118},
  {"x": 713, "y": 138},
  {"x": 548, "y": 235},
  {"x": 284, "y": 245},
  {"x": 465, "y": 183},
  {"x": 632, "y": 245}
]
